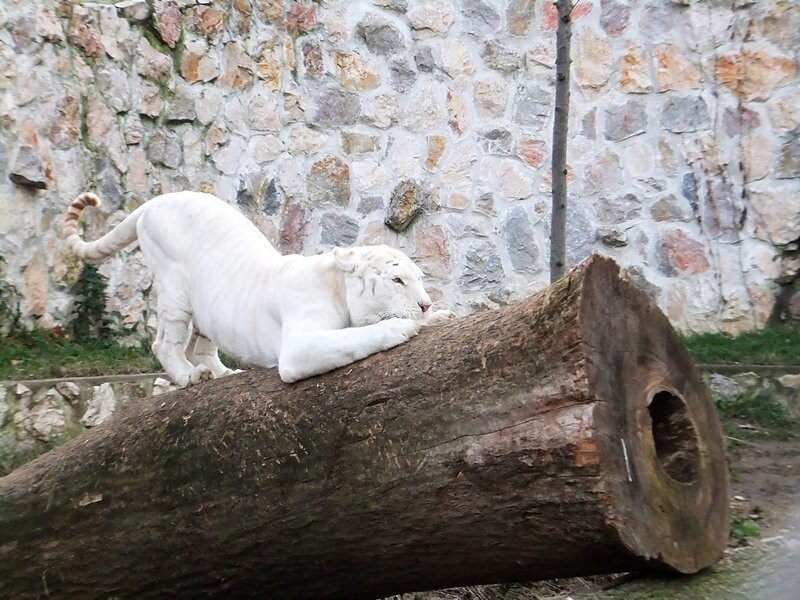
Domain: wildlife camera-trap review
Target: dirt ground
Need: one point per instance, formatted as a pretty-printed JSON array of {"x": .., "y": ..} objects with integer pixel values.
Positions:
[{"x": 765, "y": 483}]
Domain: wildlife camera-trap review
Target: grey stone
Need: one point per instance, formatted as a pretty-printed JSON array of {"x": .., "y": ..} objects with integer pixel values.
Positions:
[
  {"x": 396, "y": 5},
  {"x": 328, "y": 181},
  {"x": 153, "y": 64},
  {"x": 581, "y": 231},
  {"x": 134, "y": 10},
  {"x": 589, "y": 124},
  {"x": 108, "y": 182},
  {"x": 403, "y": 75},
  {"x": 380, "y": 36},
  {"x": 635, "y": 274},
  {"x": 165, "y": 148},
  {"x": 272, "y": 198},
  {"x": 338, "y": 230},
  {"x": 133, "y": 130},
  {"x": 101, "y": 406},
  {"x": 27, "y": 169},
  {"x": 617, "y": 210},
  {"x": 614, "y": 17},
  {"x": 685, "y": 114},
  {"x": 689, "y": 189},
  {"x": 724, "y": 388},
  {"x": 479, "y": 17},
  {"x": 405, "y": 203},
  {"x": 313, "y": 60},
  {"x": 182, "y": 105},
  {"x": 482, "y": 267},
  {"x": 519, "y": 16},
  {"x": 337, "y": 107},
  {"x": 625, "y": 120},
  {"x": 789, "y": 163},
  {"x": 670, "y": 208},
  {"x": 532, "y": 106},
  {"x": 114, "y": 86},
  {"x": 424, "y": 59},
  {"x": 613, "y": 237},
  {"x": 522, "y": 249},
  {"x": 4, "y": 408},
  {"x": 70, "y": 390},
  {"x": 370, "y": 204},
  {"x": 485, "y": 204},
  {"x": 496, "y": 141},
  {"x": 500, "y": 57}
]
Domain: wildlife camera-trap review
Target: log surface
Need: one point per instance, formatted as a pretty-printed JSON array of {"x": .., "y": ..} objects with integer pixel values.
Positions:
[{"x": 566, "y": 435}]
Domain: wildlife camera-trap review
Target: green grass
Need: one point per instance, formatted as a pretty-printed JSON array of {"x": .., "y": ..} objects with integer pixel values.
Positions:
[
  {"x": 742, "y": 529},
  {"x": 38, "y": 355},
  {"x": 34, "y": 355},
  {"x": 771, "y": 346}
]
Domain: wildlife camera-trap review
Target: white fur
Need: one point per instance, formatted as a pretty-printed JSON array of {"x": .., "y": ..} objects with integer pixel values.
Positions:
[{"x": 220, "y": 280}]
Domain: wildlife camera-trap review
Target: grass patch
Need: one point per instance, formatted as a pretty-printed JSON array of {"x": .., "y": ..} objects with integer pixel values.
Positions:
[
  {"x": 39, "y": 355},
  {"x": 771, "y": 346},
  {"x": 743, "y": 529}
]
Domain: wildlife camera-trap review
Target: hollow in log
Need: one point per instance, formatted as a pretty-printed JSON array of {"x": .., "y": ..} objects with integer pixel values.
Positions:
[{"x": 566, "y": 435}]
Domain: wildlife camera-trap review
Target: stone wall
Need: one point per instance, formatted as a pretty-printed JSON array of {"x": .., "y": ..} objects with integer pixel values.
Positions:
[
  {"x": 323, "y": 121},
  {"x": 36, "y": 416}
]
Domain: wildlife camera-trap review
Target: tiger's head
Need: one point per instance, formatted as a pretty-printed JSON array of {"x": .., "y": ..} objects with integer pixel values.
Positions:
[{"x": 381, "y": 283}]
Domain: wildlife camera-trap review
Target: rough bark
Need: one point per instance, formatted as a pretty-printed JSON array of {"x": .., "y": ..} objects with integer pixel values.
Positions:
[
  {"x": 558, "y": 216},
  {"x": 569, "y": 434}
]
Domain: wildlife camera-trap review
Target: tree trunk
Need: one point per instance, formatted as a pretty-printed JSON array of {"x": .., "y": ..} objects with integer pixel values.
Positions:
[
  {"x": 558, "y": 216},
  {"x": 566, "y": 435}
]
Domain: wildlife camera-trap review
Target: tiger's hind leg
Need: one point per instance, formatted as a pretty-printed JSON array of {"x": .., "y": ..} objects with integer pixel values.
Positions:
[
  {"x": 202, "y": 351},
  {"x": 170, "y": 345}
]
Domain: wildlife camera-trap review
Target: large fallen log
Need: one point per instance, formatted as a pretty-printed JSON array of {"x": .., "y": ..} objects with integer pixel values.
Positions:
[{"x": 566, "y": 435}]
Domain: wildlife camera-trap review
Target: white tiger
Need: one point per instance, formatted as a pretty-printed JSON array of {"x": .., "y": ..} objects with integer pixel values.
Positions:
[{"x": 221, "y": 284}]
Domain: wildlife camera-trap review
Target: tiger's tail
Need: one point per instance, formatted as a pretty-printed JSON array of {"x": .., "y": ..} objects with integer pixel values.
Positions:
[{"x": 114, "y": 241}]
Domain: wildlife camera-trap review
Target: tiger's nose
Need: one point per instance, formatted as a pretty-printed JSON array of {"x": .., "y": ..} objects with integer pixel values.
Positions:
[{"x": 424, "y": 305}]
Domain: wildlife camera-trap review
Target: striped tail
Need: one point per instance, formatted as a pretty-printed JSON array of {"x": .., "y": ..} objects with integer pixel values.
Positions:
[{"x": 114, "y": 241}]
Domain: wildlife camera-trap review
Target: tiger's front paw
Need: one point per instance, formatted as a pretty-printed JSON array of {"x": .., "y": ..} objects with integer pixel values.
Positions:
[
  {"x": 399, "y": 331},
  {"x": 439, "y": 317}
]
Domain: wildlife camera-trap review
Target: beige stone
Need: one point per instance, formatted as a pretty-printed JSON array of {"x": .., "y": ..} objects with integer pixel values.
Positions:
[
  {"x": 784, "y": 111},
  {"x": 138, "y": 170},
  {"x": 432, "y": 250},
  {"x": 457, "y": 59},
  {"x": 355, "y": 73},
  {"x": 436, "y": 147},
  {"x": 775, "y": 212},
  {"x": 515, "y": 182},
  {"x": 424, "y": 109},
  {"x": 99, "y": 120},
  {"x": 304, "y": 140},
  {"x": 758, "y": 152},
  {"x": 592, "y": 60},
  {"x": 673, "y": 70},
  {"x": 268, "y": 68},
  {"x": 36, "y": 286},
  {"x": 755, "y": 74},
  {"x": 434, "y": 16},
  {"x": 458, "y": 117},
  {"x": 634, "y": 71},
  {"x": 491, "y": 96}
]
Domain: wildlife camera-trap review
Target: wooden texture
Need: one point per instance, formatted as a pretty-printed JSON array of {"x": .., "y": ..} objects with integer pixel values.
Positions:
[
  {"x": 569, "y": 434},
  {"x": 558, "y": 214}
]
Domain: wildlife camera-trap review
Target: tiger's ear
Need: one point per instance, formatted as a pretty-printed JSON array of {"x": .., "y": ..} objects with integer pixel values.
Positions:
[{"x": 346, "y": 259}]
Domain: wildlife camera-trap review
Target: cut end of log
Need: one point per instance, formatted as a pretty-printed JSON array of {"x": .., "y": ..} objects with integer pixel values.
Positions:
[{"x": 660, "y": 437}]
